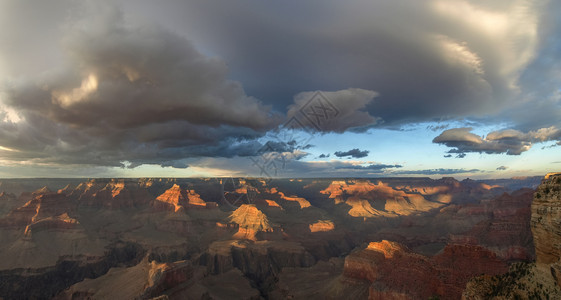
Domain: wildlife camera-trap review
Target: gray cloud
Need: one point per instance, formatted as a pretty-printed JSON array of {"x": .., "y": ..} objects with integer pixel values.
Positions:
[
  {"x": 502, "y": 168},
  {"x": 336, "y": 111},
  {"x": 355, "y": 153},
  {"x": 378, "y": 167},
  {"x": 509, "y": 141},
  {"x": 427, "y": 60},
  {"x": 438, "y": 127},
  {"x": 100, "y": 86},
  {"x": 298, "y": 168},
  {"x": 436, "y": 172},
  {"x": 134, "y": 92}
]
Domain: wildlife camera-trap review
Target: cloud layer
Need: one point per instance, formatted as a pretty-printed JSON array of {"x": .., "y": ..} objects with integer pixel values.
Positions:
[
  {"x": 511, "y": 142},
  {"x": 134, "y": 92},
  {"x": 126, "y": 83},
  {"x": 427, "y": 60},
  {"x": 355, "y": 153}
]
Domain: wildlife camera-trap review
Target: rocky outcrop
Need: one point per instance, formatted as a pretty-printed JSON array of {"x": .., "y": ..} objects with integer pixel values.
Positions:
[
  {"x": 143, "y": 281},
  {"x": 177, "y": 199},
  {"x": 111, "y": 194},
  {"x": 322, "y": 225},
  {"x": 250, "y": 221},
  {"x": 260, "y": 261},
  {"x": 303, "y": 203},
  {"x": 44, "y": 283},
  {"x": 61, "y": 222},
  {"x": 172, "y": 199},
  {"x": 397, "y": 273},
  {"x": 42, "y": 206},
  {"x": 546, "y": 224},
  {"x": 506, "y": 231},
  {"x": 306, "y": 232},
  {"x": 368, "y": 200}
]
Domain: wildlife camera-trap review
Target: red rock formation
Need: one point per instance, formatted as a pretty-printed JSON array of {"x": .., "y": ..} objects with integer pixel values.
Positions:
[
  {"x": 303, "y": 203},
  {"x": 546, "y": 217},
  {"x": 250, "y": 221},
  {"x": 115, "y": 194},
  {"x": 374, "y": 200},
  {"x": 41, "y": 207},
  {"x": 143, "y": 281},
  {"x": 399, "y": 273},
  {"x": 67, "y": 190},
  {"x": 60, "y": 222},
  {"x": 177, "y": 199},
  {"x": 258, "y": 258},
  {"x": 171, "y": 199},
  {"x": 272, "y": 203},
  {"x": 194, "y": 199},
  {"x": 322, "y": 225}
]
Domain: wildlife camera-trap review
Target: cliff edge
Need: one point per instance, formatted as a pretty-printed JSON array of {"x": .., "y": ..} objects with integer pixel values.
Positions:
[{"x": 546, "y": 224}]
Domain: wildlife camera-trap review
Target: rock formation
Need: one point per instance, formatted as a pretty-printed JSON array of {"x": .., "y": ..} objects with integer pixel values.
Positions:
[
  {"x": 397, "y": 273},
  {"x": 42, "y": 206},
  {"x": 524, "y": 280},
  {"x": 295, "y": 243},
  {"x": 143, "y": 281},
  {"x": 173, "y": 198},
  {"x": 250, "y": 221},
  {"x": 322, "y": 225},
  {"x": 368, "y": 200},
  {"x": 546, "y": 220}
]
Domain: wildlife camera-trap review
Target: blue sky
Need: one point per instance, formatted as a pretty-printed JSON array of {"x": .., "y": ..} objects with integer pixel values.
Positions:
[{"x": 205, "y": 88}]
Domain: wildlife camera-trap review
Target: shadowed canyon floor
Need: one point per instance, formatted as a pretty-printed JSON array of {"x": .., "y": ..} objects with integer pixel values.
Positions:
[{"x": 212, "y": 238}]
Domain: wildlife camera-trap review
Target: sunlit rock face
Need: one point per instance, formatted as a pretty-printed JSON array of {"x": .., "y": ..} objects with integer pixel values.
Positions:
[
  {"x": 145, "y": 280},
  {"x": 303, "y": 203},
  {"x": 369, "y": 200},
  {"x": 394, "y": 238},
  {"x": 250, "y": 221},
  {"x": 530, "y": 281},
  {"x": 40, "y": 207},
  {"x": 395, "y": 272},
  {"x": 111, "y": 194},
  {"x": 322, "y": 226},
  {"x": 173, "y": 199},
  {"x": 546, "y": 223}
]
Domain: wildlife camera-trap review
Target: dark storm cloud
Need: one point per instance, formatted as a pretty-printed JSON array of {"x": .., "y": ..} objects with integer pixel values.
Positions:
[
  {"x": 511, "y": 142},
  {"x": 378, "y": 167},
  {"x": 438, "y": 127},
  {"x": 99, "y": 86},
  {"x": 436, "y": 172},
  {"x": 427, "y": 59},
  {"x": 355, "y": 153},
  {"x": 337, "y": 111},
  {"x": 540, "y": 82},
  {"x": 300, "y": 168},
  {"x": 134, "y": 92}
]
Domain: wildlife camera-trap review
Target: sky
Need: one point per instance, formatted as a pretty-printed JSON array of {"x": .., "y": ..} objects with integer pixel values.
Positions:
[{"x": 317, "y": 88}]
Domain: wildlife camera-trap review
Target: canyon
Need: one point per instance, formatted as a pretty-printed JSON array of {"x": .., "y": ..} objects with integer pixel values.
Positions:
[{"x": 213, "y": 238}]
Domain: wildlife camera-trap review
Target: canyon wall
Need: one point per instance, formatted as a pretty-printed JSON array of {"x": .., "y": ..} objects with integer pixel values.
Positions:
[{"x": 546, "y": 224}]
